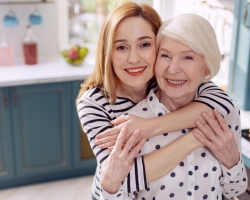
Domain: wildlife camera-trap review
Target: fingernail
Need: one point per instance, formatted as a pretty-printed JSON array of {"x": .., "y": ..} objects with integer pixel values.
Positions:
[{"x": 204, "y": 114}]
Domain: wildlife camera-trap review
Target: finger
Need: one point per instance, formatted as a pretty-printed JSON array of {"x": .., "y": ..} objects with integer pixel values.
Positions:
[
  {"x": 120, "y": 120},
  {"x": 106, "y": 139},
  {"x": 120, "y": 139},
  {"x": 134, "y": 152},
  {"x": 206, "y": 132},
  {"x": 109, "y": 132},
  {"x": 111, "y": 148},
  {"x": 107, "y": 145},
  {"x": 221, "y": 120},
  {"x": 129, "y": 144},
  {"x": 203, "y": 140},
  {"x": 214, "y": 125}
]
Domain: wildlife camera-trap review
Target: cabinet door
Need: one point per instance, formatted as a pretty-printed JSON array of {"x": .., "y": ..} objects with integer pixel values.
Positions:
[
  {"x": 6, "y": 154},
  {"x": 41, "y": 121}
]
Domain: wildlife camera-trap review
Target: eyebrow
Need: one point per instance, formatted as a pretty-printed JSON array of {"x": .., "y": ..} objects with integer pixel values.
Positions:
[
  {"x": 140, "y": 38},
  {"x": 187, "y": 51}
]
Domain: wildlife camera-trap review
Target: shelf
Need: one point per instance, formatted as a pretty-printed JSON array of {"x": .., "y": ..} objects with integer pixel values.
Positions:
[{"x": 25, "y": 2}]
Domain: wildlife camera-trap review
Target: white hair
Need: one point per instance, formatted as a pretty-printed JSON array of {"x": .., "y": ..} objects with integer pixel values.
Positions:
[{"x": 197, "y": 33}]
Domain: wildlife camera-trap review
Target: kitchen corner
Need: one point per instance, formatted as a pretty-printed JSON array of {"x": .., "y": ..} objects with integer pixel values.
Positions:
[{"x": 50, "y": 69}]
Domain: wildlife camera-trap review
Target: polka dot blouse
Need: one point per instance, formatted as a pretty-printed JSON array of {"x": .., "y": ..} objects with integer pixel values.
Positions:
[
  {"x": 200, "y": 175},
  {"x": 95, "y": 114}
]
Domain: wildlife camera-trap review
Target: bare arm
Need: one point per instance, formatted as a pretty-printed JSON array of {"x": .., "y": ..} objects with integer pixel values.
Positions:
[{"x": 170, "y": 122}]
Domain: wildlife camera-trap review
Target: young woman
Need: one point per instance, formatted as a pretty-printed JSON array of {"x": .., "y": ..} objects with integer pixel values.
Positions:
[
  {"x": 122, "y": 77},
  {"x": 182, "y": 63}
]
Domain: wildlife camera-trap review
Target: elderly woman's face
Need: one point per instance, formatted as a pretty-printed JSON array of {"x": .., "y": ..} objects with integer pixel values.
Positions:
[{"x": 179, "y": 70}]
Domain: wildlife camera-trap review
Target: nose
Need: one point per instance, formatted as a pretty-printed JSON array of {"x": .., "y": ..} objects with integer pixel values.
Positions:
[
  {"x": 134, "y": 56},
  {"x": 173, "y": 66}
]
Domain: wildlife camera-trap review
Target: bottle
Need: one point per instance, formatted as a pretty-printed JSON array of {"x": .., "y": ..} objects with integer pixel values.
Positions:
[
  {"x": 30, "y": 47},
  {"x": 6, "y": 53}
]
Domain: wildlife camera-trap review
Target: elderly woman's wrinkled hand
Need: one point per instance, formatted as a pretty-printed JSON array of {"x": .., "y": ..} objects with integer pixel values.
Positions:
[
  {"x": 108, "y": 138},
  {"x": 120, "y": 161},
  {"x": 220, "y": 141}
]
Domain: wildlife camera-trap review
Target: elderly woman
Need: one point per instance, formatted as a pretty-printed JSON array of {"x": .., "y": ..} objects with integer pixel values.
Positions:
[{"x": 187, "y": 53}]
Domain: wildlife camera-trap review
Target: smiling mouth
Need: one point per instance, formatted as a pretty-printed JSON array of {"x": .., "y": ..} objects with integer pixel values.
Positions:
[
  {"x": 135, "y": 71},
  {"x": 179, "y": 82}
]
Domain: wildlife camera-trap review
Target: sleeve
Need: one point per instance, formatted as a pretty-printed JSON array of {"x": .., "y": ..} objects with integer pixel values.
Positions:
[
  {"x": 234, "y": 181},
  {"x": 214, "y": 97},
  {"x": 95, "y": 119},
  {"x": 120, "y": 195}
]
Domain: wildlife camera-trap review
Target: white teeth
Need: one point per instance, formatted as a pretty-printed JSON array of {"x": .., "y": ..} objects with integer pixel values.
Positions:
[
  {"x": 175, "y": 82},
  {"x": 135, "y": 70}
]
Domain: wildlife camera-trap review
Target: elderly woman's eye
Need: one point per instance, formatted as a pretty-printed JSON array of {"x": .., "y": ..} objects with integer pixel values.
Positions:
[
  {"x": 189, "y": 58},
  {"x": 164, "y": 56}
]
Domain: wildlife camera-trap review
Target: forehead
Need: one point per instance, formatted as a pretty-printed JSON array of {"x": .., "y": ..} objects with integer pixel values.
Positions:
[
  {"x": 134, "y": 26},
  {"x": 170, "y": 43}
]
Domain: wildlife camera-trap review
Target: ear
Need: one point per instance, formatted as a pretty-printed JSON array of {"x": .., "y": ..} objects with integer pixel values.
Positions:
[{"x": 206, "y": 72}]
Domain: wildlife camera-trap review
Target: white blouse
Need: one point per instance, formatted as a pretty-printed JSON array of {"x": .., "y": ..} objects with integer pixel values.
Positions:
[{"x": 199, "y": 176}]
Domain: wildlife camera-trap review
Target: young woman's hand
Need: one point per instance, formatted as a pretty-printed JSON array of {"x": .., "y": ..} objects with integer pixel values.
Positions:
[
  {"x": 108, "y": 138},
  {"x": 120, "y": 161},
  {"x": 220, "y": 141}
]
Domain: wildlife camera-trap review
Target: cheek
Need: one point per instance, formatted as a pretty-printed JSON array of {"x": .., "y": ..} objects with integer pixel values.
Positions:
[{"x": 160, "y": 67}]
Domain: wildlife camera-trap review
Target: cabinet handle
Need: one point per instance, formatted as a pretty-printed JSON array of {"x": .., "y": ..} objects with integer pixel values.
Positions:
[
  {"x": 5, "y": 98},
  {"x": 14, "y": 97},
  {"x": 245, "y": 14}
]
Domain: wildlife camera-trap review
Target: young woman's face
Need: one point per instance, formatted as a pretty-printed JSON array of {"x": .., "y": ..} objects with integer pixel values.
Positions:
[
  {"x": 179, "y": 70},
  {"x": 134, "y": 52}
]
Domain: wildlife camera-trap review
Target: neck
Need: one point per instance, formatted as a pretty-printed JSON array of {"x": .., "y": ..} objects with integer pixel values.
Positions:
[
  {"x": 173, "y": 104},
  {"x": 136, "y": 94}
]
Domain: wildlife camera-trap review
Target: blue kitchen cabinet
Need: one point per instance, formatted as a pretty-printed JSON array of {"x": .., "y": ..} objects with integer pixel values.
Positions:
[
  {"x": 40, "y": 134},
  {"x": 41, "y": 128},
  {"x": 6, "y": 153}
]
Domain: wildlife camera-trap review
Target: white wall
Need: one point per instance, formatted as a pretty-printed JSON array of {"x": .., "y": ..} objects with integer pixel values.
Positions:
[{"x": 47, "y": 33}]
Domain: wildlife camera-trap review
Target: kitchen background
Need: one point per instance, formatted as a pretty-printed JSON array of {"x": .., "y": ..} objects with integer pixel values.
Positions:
[{"x": 66, "y": 23}]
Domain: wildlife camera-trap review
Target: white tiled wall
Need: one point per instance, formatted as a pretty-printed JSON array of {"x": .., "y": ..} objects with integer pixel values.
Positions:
[{"x": 47, "y": 33}]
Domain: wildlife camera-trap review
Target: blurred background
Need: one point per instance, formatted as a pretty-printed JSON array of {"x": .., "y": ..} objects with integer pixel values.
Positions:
[{"x": 43, "y": 151}]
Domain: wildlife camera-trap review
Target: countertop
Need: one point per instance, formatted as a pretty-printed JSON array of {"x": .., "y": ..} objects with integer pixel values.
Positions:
[{"x": 49, "y": 69}]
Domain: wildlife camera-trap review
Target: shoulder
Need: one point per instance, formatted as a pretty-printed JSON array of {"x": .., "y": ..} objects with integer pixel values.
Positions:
[{"x": 93, "y": 93}]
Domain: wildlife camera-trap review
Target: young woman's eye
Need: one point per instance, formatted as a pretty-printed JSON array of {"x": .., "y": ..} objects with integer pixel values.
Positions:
[
  {"x": 146, "y": 44},
  {"x": 121, "y": 48},
  {"x": 188, "y": 58}
]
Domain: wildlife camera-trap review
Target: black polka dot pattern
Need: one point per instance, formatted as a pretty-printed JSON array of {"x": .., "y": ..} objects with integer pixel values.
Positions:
[
  {"x": 183, "y": 131},
  {"x": 144, "y": 109},
  {"x": 165, "y": 134},
  {"x": 171, "y": 195},
  {"x": 160, "y": 114},
  {"x": 203, "y": 155}
]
